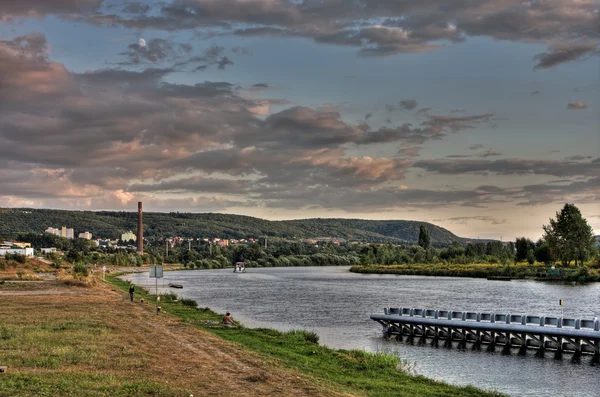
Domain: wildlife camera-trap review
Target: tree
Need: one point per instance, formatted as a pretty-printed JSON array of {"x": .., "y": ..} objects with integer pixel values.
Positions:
[
  {"x": 569, "y": 236},
  {"x": 525, "y": 247},
  {"x": 424, "y": 238},
  {"x": 542, "y": 252}
]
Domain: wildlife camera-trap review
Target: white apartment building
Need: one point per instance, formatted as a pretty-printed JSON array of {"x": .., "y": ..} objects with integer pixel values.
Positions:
[
  {"x": 53, "y": 230},
  {"x": 128, "y": 236},
  {"x": 86, "y": 235},
  {"x": 21, "y": 251},
  {"x": 66, "y": 232}
]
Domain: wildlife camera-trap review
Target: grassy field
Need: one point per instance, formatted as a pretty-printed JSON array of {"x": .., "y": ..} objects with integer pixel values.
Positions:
[
  {"x": 484, "y": 270},
  {"x": 64, "y": 340}
]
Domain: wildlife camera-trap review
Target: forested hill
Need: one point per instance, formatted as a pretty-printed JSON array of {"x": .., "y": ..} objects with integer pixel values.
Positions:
[{"x": 111, "y": 224}]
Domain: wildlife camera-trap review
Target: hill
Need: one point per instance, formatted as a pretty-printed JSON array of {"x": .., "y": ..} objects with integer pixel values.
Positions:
[{"x": 110, "y": 224}]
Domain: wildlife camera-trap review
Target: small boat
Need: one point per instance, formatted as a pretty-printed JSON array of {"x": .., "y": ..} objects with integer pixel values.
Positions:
[{"x": 173, "y": 285}]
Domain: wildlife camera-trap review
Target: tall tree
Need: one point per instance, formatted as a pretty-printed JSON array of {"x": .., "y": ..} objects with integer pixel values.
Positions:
[
  {"x": 542, "y": 252},
  {"x": 569, "y": 236},
  {"x": 424, "y": 238},
  {"x": 524, "y": 246}
]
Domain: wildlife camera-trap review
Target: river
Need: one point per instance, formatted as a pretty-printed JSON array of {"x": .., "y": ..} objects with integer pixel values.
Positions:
[{"x": 336, "y": 304}]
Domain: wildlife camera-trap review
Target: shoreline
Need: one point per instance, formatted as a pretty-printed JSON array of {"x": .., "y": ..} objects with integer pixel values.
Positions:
[
  {"x": 266, "y": 341},
  {"x": 485, "y": 271}
]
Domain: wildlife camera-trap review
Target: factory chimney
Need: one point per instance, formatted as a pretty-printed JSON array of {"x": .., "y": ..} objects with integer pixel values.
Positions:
[{"x": 140, "y": 233}]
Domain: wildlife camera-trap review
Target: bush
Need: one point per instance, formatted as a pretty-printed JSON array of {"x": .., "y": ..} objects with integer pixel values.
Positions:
[
  {"x": 169, "y": 297},
  {"x": 308, "y": 336},
  {"x": 189, "y": 302},
  {"x": 80, "y": 269}
]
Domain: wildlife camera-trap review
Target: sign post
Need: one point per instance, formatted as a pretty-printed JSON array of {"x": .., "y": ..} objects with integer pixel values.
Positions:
[{"x": 156, "y": 272}]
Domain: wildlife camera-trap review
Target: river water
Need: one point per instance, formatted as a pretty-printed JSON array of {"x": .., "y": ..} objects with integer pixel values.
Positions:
[{"x": 336, "y": 305}]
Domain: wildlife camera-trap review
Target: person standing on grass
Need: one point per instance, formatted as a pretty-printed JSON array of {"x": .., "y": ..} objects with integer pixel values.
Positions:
[{"x": 131, "y": 291}]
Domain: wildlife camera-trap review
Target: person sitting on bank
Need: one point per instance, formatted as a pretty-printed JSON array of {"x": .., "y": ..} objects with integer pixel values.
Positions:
[
  {"x": 227, "y": 319},
  {"x": 131, "y": 291}
]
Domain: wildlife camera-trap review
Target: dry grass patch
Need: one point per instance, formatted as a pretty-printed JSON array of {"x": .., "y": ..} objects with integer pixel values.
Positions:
[{"x": 93, "y": 341}]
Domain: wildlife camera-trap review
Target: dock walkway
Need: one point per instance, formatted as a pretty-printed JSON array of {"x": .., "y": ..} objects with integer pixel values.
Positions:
[{"x": 556, "y": 334}]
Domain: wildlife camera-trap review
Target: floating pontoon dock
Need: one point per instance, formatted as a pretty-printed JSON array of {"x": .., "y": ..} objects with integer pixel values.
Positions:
[{"x": 556, "y": 334}]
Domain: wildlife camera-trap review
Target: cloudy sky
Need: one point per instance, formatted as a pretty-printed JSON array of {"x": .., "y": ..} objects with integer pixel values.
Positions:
[{"x": 482, "y": 116}]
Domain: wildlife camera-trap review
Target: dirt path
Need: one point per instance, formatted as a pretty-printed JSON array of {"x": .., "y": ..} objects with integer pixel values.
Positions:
[{"x": 170, "y": 350}]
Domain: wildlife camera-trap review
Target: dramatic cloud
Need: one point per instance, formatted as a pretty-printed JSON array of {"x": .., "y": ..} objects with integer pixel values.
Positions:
[
  {"x": 490, "y": 153},
  {"x": 409, "y": 104},
  {"x": 87, "y": 136},
  {"x": 108, "y": 137},
  {"x": 587, "y": 191},
  {"x": 563, "y": 52},
  {"x": 153, "y": 51},
  {"x": 564, "y": 168},
  {"x": 576, "y": 105},
  {"x": 38, "y": 8},
  {"x": 212, "y": 56},
  {"x": 410, "y": 151},
  {"x": 374, "y": 27},
  {"x": 467, "y": 219},
  {"x": 136, "y": 7}
]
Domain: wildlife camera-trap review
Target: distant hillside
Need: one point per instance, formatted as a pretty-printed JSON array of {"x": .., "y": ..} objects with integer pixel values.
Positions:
[{"x": 111, "y": 224}]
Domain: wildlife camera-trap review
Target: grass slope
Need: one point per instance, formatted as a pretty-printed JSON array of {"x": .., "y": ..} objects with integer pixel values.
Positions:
[{"x": 352, "y": 371}]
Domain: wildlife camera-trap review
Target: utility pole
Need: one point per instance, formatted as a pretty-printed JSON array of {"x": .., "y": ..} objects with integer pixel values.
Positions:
[
  {"x": 167, "y": 247},
  {"x": 210, "y": 247},
  {"x": 265, "y": 243},
  {"x": 189, "y": 245}
]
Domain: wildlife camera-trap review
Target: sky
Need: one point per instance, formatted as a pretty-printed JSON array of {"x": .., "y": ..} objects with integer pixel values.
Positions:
[{"x": 481, "y": 116}]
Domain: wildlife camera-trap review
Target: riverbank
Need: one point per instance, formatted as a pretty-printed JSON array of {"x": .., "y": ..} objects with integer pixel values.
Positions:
[
  {"x": 491, "y": 271},
  {"x": 352, "y": 371},
  {"x": 64, "y": 339}
]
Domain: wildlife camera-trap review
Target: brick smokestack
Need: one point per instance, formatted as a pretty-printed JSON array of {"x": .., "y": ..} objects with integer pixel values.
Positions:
[{"x": 140, "y": 233}]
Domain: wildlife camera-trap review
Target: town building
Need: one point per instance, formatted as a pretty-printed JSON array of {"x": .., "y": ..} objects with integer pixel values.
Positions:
[
  {"x": 86, "y": 235},
  {"x": 128, "y": 236},
  {"x": 53, "y": 230},
  {"x": 66, "y": 232},
  {"x": 20, "y": 251},
  {"x": 15, "y": 244}
]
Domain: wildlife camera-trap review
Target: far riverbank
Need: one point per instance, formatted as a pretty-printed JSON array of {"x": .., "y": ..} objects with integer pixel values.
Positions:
[{"x": 539, "y": 272}]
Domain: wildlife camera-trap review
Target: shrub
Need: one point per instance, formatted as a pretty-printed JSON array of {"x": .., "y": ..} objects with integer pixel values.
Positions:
[
  {"x": 80, "y": 269},
  {"x": 309, "y": 336},
  {"x": 169, "y": 297},
  {"x": 189, "y": 302}
]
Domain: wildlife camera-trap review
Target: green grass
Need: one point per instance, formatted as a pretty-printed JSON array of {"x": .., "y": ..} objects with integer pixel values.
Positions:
[
  {"x": 354, "y": 371},
  {"x": 76, "y": 385}
]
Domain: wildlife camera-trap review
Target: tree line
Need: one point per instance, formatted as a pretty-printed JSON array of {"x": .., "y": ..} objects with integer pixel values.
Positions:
[{"x": 568, "y": 238}]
